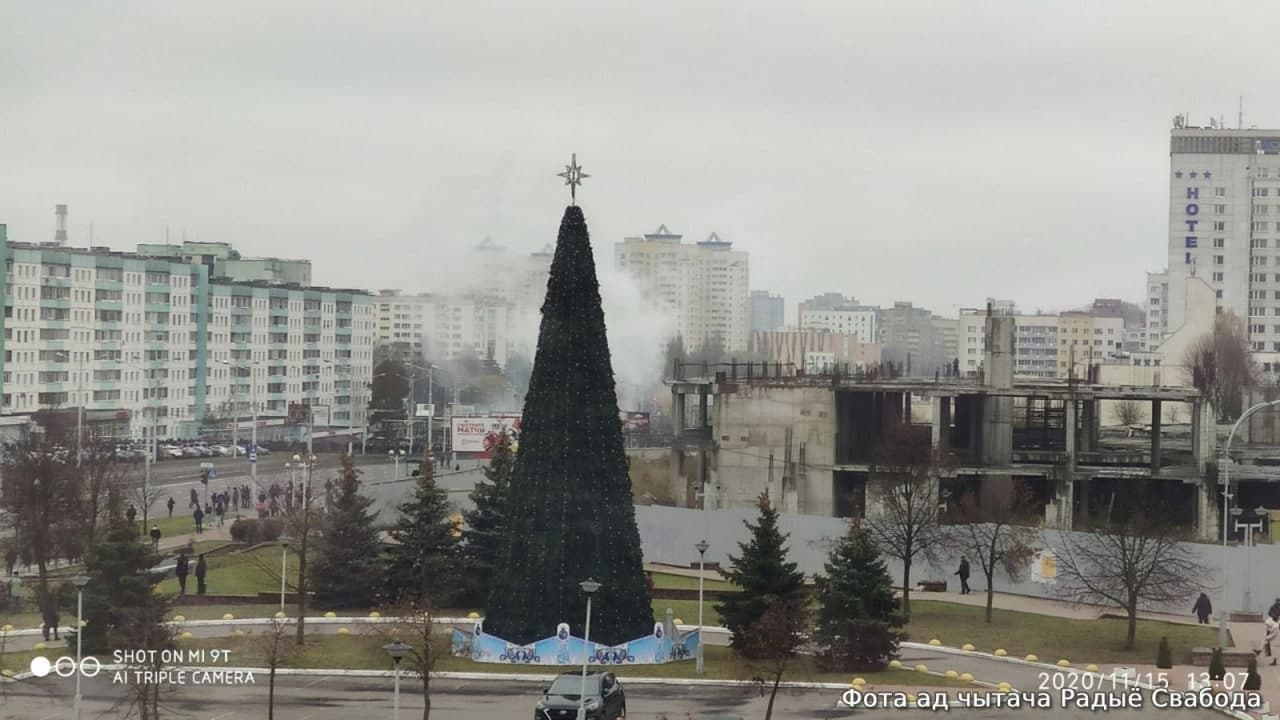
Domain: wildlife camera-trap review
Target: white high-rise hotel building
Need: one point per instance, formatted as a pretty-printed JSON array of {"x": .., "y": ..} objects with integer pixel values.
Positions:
[{"x": 1224, "y": 227}]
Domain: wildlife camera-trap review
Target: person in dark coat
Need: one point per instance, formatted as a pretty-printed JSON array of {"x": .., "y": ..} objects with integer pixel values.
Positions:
[
  {"x": 198, "y": 516},
  {"x": 50, "y": 616},
  {"x": 155, "y": 537},
  {"x": 11, "y": 559},
  {"x": 183, "y": 569},
  {"x": 963, "y": 572},
  {"x": 171, "y": 503},
  {"x": 130, "y": 513},
  {"x": 201, "y": 569},
  {"x": 1203, "y": 609}
]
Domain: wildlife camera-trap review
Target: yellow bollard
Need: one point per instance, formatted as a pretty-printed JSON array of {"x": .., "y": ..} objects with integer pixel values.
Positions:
[
  {"x": 1091, "y": 668},
  {"x": 343, "y": 631},
  {"x": 375, "y": 614},
  {"x": 1000, "y": 652},
  {"x": 179, "y": 618},
  {"x": 1064, "y": 663},
  {"x": 1032, "y": 658},
  {"x": 331, "y": 614},
  {"x": 935, "y": 642},
  {"x": 857, "y": 682},
  {"x": 967, "y": 647},
  {"x": 966, "y": 677},
  {"x": 895, "y": 664},
  {"x": 228, "y": 616},
  {"x": 952, "y": 674},
  {"x": 186, "y": 635},
  {"x": 922, "y": 669}
]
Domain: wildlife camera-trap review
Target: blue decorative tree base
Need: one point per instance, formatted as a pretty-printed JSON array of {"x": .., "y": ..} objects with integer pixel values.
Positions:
[{"x": 563, "y": 649}]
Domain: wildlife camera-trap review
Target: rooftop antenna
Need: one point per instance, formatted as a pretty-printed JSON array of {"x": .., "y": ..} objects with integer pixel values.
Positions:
[
  {"x": 60, "y": 235},
  {"x": 1240, "y": 116}
]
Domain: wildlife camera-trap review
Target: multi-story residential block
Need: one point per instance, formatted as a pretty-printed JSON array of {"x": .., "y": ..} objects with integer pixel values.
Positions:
[
  {"x": 1224, "y": 227},
  {"x": 1045, "y": 345},
  {"x": 701, "y": 288},
  {"x": 767, "y": 311},
  {"x": 157, "y": 339},
  {"x": 917, "y": 339},
  {"x": 860, "y": 321},
  {"x": 412, "y": 320},
  {"x": 224, "y": 262}
]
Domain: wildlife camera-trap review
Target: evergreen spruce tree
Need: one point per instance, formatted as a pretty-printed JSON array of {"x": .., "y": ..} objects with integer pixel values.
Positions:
[
  {"x": 423, "y": 567},
  {"x": 570, "y": 516},
  {"x": 118, "y": 600},
  {"x": 485, "y": 521},
  {"x": 761, "y": 572},
  {"x": 859, "y": 615},
  {"x": 348, "y": 571}
]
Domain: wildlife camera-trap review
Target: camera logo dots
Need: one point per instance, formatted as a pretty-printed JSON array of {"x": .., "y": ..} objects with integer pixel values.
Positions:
[{"x": 65, "y": 666}]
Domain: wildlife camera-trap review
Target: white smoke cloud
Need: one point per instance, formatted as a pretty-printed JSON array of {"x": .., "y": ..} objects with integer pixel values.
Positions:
[{"x": 638, "y": 336}]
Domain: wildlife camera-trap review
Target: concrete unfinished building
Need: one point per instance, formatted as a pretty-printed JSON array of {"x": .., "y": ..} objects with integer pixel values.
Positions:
[{"x": 809, "y": 441}]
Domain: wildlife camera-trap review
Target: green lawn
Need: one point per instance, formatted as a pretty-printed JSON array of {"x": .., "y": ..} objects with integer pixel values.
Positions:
[
  {"x": 246, "y": 573},
  {"x": 1052, "y": 638},
  {"x": 684, "y": 582}
]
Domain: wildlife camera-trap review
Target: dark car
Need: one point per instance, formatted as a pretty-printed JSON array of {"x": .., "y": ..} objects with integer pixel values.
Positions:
[{"x": 605, "y": 699}]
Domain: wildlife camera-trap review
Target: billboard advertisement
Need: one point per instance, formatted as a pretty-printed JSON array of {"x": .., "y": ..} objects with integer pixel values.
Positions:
[
  {"x": 634, "y": 422},
  {"x": 478, "y": 435}
]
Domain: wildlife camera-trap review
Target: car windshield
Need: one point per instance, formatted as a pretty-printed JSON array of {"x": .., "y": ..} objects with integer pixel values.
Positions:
[{"x": 572, "y": 685}]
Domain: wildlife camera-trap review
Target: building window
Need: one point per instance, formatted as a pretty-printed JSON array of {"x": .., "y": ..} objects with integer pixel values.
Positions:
[
  {"x": 1219, "y": 225},
  {"x": 1219, "y": 242},
  {"x": 1219, "y": 209},
  {"x": 1259, "y": 243},
  {"x": 1219, "y": 192},
  {"x": 1217, "y": 277},
  {"x": 1217, "y": 259}
]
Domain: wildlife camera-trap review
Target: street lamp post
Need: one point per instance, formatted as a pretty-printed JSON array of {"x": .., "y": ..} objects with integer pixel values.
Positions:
[
  {"x": 284, "y": 566},
  {"x": 1248, "y": 528},
  {"x": 397, "y": 650},
  {"x": 79, "y": 581},
  {"x": 589, "y": 586},
  {"x": 702, "y": 547},
  {"x": 1226, "y": 500},
  {"x": 396, "y": 455}
]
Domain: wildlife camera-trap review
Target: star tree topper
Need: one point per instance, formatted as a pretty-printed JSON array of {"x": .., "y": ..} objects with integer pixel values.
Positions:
[{"x": 573, "y": 177}]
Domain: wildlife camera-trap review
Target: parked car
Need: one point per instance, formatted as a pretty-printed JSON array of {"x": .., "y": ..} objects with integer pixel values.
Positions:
[
  {"x": 560, "y": 699},
  {"x": 171, "y": 451},
  {"x": 221, "y": 450}
]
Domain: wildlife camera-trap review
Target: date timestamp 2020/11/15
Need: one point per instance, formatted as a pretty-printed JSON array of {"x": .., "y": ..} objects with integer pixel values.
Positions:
[{"x": 1064, "y": 680}]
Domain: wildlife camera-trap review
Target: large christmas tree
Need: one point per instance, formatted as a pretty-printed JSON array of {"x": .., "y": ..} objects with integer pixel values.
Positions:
[{"x": 570, "y": 515}]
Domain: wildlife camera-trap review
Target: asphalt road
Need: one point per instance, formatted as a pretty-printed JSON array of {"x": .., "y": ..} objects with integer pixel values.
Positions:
[{"x": 344, "y": 698}]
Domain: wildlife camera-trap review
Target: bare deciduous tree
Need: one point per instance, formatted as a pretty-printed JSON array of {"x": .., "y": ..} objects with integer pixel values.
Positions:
[
  {"x": 904, "y": 521},
  {"x": 414, "y": 627},
  {"x": 275, "y": 651},
  {"x": 1220, "y": 365},
  {"x": 142, "y": 699},
  {"x": 1128, "y": 566},
  {"x": 998, "y": 537},
  {"x": 771, "y": 642},
  {"x": 1129, "y": 412}
]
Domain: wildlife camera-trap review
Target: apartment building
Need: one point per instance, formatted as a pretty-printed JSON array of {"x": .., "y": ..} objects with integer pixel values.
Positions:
[
  {"x": 158, "y": 340},
  {"x": 1046, "y": 345},
  {"x": 700, "y": 287}
]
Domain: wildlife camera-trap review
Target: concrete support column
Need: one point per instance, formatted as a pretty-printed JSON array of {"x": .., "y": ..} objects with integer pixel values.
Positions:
[
  {"x": 906, "y": 407},
  {"x": 1155, "y": 437},
  {"x": 1088, "y": 408},
  {"x": 702, "y": 408},
  {"x": 677, "y": 412},
  {"x": 892, "y": 409},
  {"x": 1059, "y": 512},
  {"x": 1196, "y": 455},
  {"x": 942, "y": 423}
]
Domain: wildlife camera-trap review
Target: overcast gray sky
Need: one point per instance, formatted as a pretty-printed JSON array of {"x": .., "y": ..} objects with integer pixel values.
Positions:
[{"x": 939, "y": 152}]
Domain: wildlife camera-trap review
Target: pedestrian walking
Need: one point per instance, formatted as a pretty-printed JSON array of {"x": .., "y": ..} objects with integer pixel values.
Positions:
[
  {"x": 219, "y": 511},
  {"x": 1272, "y": 633},
  {"x": 50, "y": 617},
  {"x": 130, "y": 513},
  {"x": 11, "y": 559},
  {"x": 1274, "y": 612},
  {"x": 963, "y": 572},
  {"x": 183, "y": 569},
  {"x": 201, "y": 570},
  {"x": 1203, "y": 609},
  {"x": 155, "y": 537},
  {"x": 198, "y": 516},
  {"x": 171, "y": 503},
  {"x": 195, "y": 499}
]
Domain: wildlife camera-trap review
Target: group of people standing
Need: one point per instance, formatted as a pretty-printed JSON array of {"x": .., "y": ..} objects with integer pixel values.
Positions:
[{"x": 184, "y": 569}]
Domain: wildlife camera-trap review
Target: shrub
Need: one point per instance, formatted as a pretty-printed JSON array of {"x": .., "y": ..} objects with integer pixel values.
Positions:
[
  {"x": 244, "y": 530},
  {"x": 1217, "y": 668},
  {"x": 1252, "y": 680},
  {"x": 1164, "y": 658},
  {"x": 271, "y": 529}
]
